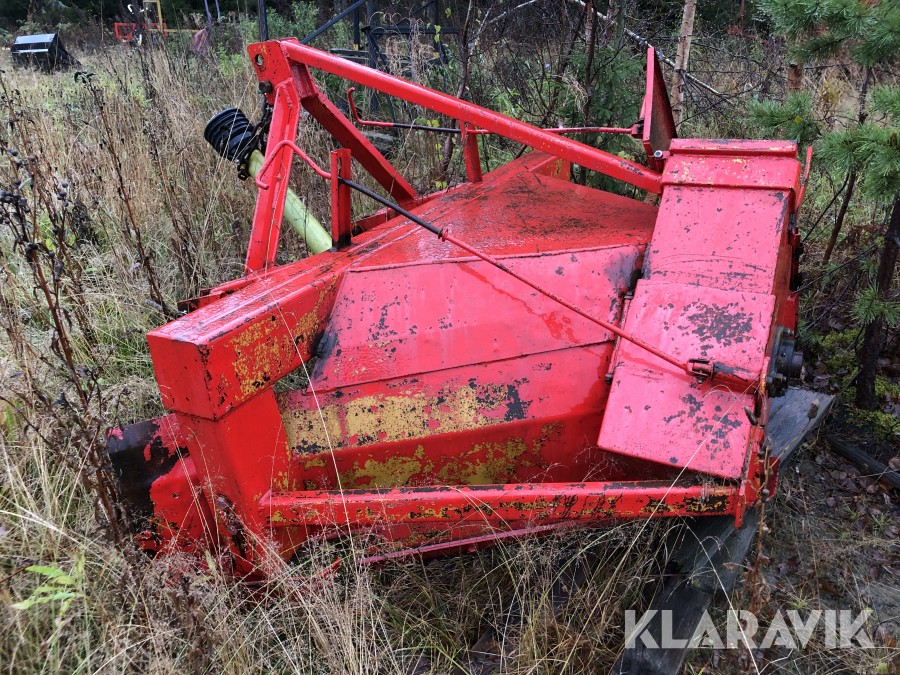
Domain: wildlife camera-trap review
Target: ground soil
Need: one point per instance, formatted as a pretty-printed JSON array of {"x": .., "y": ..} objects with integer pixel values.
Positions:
[{"x": 832, "y": 542}]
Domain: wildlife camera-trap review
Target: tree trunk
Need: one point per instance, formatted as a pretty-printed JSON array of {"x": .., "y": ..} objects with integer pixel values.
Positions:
[
  {"x": 870, "y": 349},
  {"x": 262, "y": 20},
  {"x": 464, "y": 57},
  {"x": 839, "y": 221},
  {"x": 591, "y": 19},
  {"x": 619, "y": 15},
  {"x": 774, "y": 46},
  {"x": 795, "y": 77},
  {"x": 324, "y": 11},
  {"x": 682, "y": 58}
]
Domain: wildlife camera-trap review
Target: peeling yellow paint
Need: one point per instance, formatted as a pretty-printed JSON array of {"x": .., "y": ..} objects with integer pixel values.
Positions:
[
  {"x": 257, "y": 353},
  {"x": 386, "y": 419},
  {"x": 314, "y": 462},
  {"x": 282, "y": 481},
  {"x": 264, "y": 351},
  {"x": 373, "y": 474},
  {"x": 375, "y": 419},
  {"x": 484, "y": 464}
]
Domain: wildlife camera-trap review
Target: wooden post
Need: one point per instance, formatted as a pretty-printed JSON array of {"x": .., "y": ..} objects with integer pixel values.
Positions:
[
  {"x": 682, "y": 58},
  {"x": 877, "y": 332},
  {"x": 795, "y": 77}
]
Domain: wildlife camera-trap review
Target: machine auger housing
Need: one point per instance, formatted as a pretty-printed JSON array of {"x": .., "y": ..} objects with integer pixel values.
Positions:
[{"x": 509, "y": 355}]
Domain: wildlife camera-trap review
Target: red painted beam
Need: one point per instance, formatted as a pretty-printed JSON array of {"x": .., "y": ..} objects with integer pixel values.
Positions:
[
  {"x": 539, "y": 139},
  {"x": 498, "y": 504},
  {"x": 266, "y": 230},
  {"x": 343, "y": 131}
]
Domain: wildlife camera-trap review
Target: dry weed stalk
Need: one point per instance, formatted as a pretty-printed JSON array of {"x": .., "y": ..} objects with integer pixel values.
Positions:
[{"x": 40, "y": 215}]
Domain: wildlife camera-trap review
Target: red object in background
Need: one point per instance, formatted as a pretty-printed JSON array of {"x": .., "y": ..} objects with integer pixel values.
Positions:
[
  {"x": 448, "y": 403},
  {"x": 125, "y": 32}
]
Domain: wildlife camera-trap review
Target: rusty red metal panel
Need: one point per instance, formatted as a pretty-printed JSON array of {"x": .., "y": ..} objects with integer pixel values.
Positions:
[
  {"x": 714, "y": 286},
  {"x": 182, "y": 515},
  {"x": 735, "y": 164},
  {"x": 524, "y": 213},
  {"x": 738, "y": 146},
  {"x": 736, "y": 244},
  {"x": 240, "y": 457},
  {"x": 227, "y": 351},
  {"x": 656, "y": 113},
  {"x": 533, "y": 162},
  {"x": 666, "y": 417},
  {"x": 224, "y": 354},
  {"x": 157, "y": 484},
  {"x": 479, "y": 423},
  {"x": 508, "y": 374},
  {"x": 411, "y": 328},
  {"x": 663, "y": 415}
]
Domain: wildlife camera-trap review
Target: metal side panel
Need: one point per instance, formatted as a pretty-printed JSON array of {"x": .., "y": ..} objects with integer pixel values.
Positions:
[{"x": 657, "y": 412}]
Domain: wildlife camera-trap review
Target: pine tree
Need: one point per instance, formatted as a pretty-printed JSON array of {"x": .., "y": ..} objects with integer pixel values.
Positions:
[{"x": 868, "y": 152}]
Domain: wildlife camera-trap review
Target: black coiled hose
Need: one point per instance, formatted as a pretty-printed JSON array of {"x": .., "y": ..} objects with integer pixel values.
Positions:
[{"x": 231, "y": 135}]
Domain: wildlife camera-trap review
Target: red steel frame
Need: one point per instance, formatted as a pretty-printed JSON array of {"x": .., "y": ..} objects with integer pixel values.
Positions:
[{"x": 432, "y": 422}]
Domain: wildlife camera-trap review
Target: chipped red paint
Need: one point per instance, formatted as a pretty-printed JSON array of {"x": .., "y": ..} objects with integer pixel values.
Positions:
[
  {"x": 449, "y": 403},
  {"x": 487, "y": 504}
]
